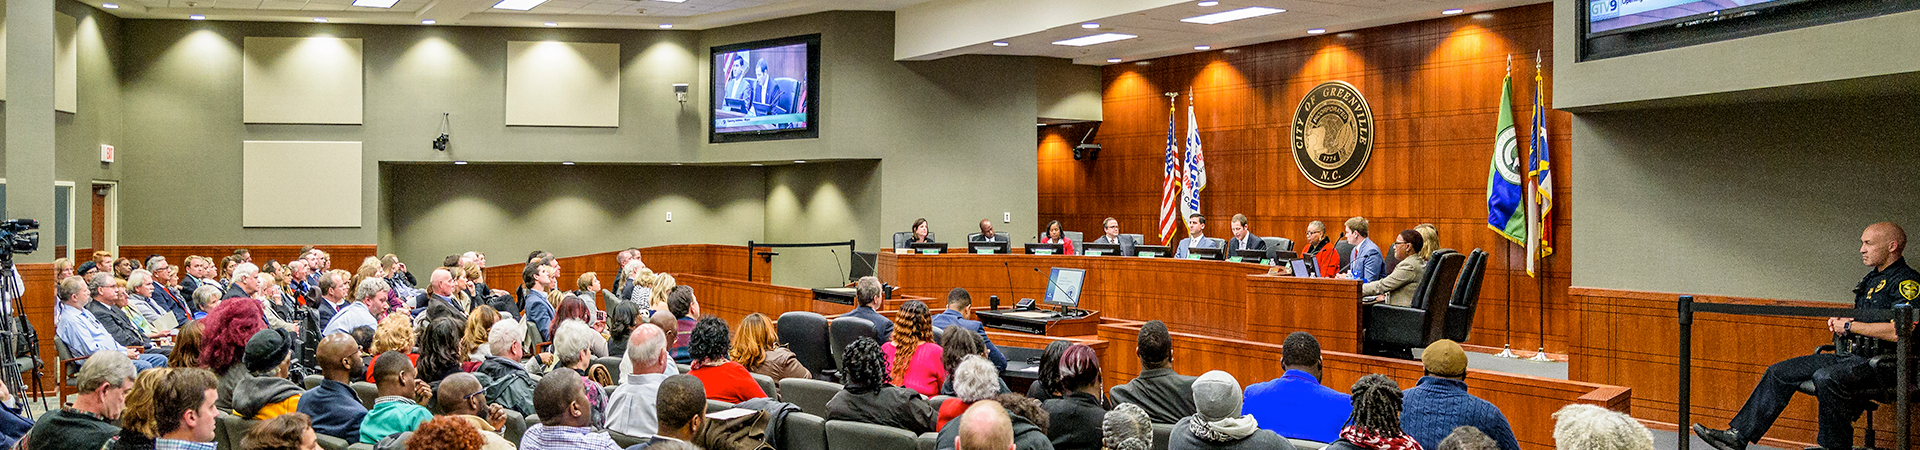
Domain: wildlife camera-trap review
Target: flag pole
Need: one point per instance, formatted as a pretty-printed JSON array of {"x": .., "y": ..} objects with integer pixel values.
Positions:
[
  {"x": 1540, "y": 281},
  {"x": 1506, "y": 350}
]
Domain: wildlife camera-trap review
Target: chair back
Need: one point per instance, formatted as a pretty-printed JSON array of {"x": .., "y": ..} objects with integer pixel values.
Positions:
[
  {"x": 533, "y": 340},
  {"x": 366, "y": 391},
  {"x": 847, "y": 434},
  {"x": 1278, "y": 244},
  {"x": 767, "y": 386},
  {"x": 900, "y": 238},
  {"x": 1162, "y": 432},
  {"x": 229, "y": 429},
  {"x": 805, "y": 431},
  {"x": 1346, "y": 253},
  {"x": 612, "y": 364},
  {"x": 714, "y": 406},
  {"x": 1466, "y": 297},
  {"x": 1436, "y": 292},
  {"x": 810, "y": 395},
  {"x": 625, "y": 440},
  {"x": 312, "y": 381},
  {"x": 1136, "y": 239},
  {"x": 844, "y": 330},
  {"x": 1077, "y": 237},
  {"x": 805, "y": 333}
]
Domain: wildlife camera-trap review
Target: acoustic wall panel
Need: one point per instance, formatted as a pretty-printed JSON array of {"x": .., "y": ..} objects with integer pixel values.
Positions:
[
  {"x": 313, "y": 80},
  {"x": 332, "y": 168},
  {"x": 563, "y": 84},
  {"x": 66, "y": 63}
]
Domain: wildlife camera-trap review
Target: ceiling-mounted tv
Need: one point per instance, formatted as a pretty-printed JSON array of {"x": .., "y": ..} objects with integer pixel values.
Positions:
[
  {"x": 765, "y": 90},
  {"x": 1623, "y": 27}
]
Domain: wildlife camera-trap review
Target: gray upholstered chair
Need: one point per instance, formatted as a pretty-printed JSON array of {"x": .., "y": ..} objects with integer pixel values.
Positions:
[
  {"x": 805, "y": 333},
  {"x": 714, "y": 406},
  {"x": 810, "y": 395},
  {"x": 312, "y": 381},
  {"x": 366, "y": 391},
  {"x": 767, "y": 386},
  {"x": 805, "y": 432},
  {"x": 842, "y": 331},
  {"x": 927, "y": 441},
  {"x": 228, "y": 429},
  {"x": 1161, "y": 434},
  {"x": 847, "y": 434}
]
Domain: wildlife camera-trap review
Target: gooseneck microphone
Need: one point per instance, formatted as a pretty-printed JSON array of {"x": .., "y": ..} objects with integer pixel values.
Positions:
[
  {"x": 836, "y": 265},
  {"x": 1008, "y": 268}
]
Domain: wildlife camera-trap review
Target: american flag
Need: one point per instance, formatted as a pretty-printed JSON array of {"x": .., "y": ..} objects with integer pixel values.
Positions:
[{"x": 1170, "y": 190}]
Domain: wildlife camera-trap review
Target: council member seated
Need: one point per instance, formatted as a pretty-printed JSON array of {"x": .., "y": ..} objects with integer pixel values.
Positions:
[
  {"x": 1318, "y": 251},
  {"x": 921, "y": 235},
  {"x": 1196, "y": 236},
  {"x": 1397, "y": 288},
  {"x": 1055, "y": 236},
  {"x": 1110, "y": 230},
  {"x": 1243, "y": 238},
  {"x": 986, "y": 233},
  {"x": 1366, "y": 263}
]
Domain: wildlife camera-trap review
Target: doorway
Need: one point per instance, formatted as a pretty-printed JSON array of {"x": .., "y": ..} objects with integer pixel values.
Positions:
[{"x": 106, "y": 214}]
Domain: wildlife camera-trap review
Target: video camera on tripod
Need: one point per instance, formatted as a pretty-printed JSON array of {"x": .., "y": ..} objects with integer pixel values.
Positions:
[{"x": 18, "y": 236}]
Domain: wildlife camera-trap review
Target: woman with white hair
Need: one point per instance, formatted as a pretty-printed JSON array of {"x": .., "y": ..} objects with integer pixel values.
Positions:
[
  {"x": 1217, "y": 422},
  {"x": 1126, "y": 428},
  {"x": 974, "y": 379},
  {"x": 1589, "y": 427}
]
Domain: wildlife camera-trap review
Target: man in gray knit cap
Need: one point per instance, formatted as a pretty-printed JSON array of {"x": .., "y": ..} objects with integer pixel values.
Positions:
[{"x": 1217, "y": 422}]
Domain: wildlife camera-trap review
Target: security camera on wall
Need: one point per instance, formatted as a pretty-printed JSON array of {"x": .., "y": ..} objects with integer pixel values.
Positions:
[{"x": 1087, "y": 151}]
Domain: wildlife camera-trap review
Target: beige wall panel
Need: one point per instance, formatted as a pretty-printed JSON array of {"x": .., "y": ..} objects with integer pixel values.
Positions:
[
  {"x": 315, "y": 80},
  {"x": 563, "y": 84},
  {"x": 331, "y": 167},
  {"x": 66, "y": 63}
]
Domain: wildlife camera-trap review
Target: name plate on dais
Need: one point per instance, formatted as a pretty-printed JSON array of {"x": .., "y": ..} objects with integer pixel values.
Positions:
[{"x": 1332, "y": 134}]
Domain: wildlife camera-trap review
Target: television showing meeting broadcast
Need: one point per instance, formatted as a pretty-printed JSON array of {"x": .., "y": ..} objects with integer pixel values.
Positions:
[
  {"x": 764, "y": 90},
  {"x": 1608, "y": 15}
]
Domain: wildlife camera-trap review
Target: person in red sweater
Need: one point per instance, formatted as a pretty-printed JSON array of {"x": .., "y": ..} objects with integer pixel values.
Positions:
[
  {"x": 975, "y": 379},
  {"x": 724, "y": 379},
  {"x": 1325, "y": 260}
]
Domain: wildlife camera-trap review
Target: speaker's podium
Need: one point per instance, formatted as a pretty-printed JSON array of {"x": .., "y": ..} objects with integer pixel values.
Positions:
[{"x": 1041, "y": 322}]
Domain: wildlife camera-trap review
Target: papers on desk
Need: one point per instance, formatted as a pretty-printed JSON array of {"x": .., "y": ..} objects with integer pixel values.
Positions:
[
  {"x": 1033, "y": 369},
  {"x": 1032, "y": 314}
]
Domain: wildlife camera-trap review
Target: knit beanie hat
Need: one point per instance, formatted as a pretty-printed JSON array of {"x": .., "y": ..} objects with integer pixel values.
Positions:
[
  {"x": 267, "y": 348},
  {"x": 1216, "y": 395}
]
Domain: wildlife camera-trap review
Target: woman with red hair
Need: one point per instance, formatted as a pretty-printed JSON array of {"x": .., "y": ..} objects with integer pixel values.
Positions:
[
  {"x": 224, "y": 339},
  {"x": 446, "y": 433}
]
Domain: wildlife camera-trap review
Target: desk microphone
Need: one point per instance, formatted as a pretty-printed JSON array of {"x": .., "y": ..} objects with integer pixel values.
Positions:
[
  {"x": 836, "y": 265},
  {"x": 1006, "y": 267},
  {"x": 993, "y": 301}
]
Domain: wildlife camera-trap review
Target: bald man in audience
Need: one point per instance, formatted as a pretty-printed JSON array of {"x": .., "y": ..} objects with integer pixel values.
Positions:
[
  {"x": 461, "y": 397},
  {"x": 440, "y": 287},
  {"x": 630, "y": 409},
  {"x": 985, "y": 426},
  {"x": 333, "y": 405}
]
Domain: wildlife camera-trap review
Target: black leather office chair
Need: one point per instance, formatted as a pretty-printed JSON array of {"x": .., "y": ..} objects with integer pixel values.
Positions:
[
  {"x": 1883, "y": 395},
  {"x": 973, "y": 237},
  {"x": 1346, "y": 254},
  {"x": 1392, "y": 330},
  {"x": 1466, "y": 297},
  {"x": 805, "y": 333},
  {"x": 844, "y": 330}
]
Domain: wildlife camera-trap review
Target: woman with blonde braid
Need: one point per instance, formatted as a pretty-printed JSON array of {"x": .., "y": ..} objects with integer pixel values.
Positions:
[{"x": 914, "y": 361}]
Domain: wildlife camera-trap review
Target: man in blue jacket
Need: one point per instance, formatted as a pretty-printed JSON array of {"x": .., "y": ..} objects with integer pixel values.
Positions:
[
  {"x": 1366, "y": 264},
  {"x": 1431, "y": 410},
  {"x": 1295, "y": 405},
  {"x": 334, "y": 406},
  {"x": 959, "y": 312}
]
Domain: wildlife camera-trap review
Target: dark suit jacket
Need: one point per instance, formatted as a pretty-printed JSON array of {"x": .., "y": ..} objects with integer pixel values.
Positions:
[
  {"x": 996, "y": 237},
  {"x": 323, "y": 311},
  {"x": 1126, "y": 245},
  {"x": 1166, "y": 395},
  {"x": 117, "y": 325},
  {"x": 174, "y": 302},
  {"x": 1255, "y": 241},
  {"x": 882, "y": 327},
  {"x": 952, "y": 318}
]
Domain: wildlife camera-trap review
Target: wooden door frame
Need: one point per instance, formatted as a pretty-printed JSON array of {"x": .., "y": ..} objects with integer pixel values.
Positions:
[{"x": 112, "y": 231}]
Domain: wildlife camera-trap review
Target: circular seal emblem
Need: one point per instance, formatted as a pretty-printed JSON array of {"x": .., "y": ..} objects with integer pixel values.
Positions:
[{"x": 1332, "y": 134}]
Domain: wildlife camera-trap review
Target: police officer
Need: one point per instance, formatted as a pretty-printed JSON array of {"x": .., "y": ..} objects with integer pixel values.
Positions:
[{"x": 1836, "y": 375}]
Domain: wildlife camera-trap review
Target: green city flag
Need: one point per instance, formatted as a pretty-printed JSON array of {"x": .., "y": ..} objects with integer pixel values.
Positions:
[{"x": 1505, "y": 213}]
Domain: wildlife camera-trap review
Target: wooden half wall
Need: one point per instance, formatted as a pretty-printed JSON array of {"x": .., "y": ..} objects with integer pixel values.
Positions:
[{"x": 720, "y": 261}]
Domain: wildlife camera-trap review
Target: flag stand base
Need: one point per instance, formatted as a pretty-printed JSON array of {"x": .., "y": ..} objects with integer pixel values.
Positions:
[
  {"x": 1506, "y": 351},
  {"x": 1540, "y": 356}
]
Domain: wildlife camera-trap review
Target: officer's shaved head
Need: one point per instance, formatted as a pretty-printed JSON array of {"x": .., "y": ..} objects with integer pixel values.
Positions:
[
  {"x": 1881, "y": 244},
  {"x": 1892, "y": 233}
]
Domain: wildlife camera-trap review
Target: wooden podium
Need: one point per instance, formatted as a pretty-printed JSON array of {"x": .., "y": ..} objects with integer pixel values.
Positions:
[{"x": 1041, "y": 322}]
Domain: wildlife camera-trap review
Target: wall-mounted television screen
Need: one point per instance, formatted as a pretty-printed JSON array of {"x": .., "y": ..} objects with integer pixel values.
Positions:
[
  {"x": 766, "y": 90},
  {"x": 1613, "y": 28}
]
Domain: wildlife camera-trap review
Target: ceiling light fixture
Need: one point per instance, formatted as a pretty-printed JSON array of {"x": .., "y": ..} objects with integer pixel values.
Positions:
[
  {"x": 756, "y": 164},
  {"x": 198, "y": 17},
  {"x": 799, "y": 161},
  {"x": 1453, "y": 11},
  {"x": 375, "y": 3},
  {"x": 553, "y": 24},
  {"x": 428, "y": 22},
  {"x": 1001, "y": 43},
  {"x": 518, "y": 5},
  {"x": 566, "y": 163},
  {"x": 1229, "y": 16},
  {"x": 1101, "y": 38},
  {"x": 1090, "y": 25},
  {"x": 459, "y": 163},
  {"x": 1202, "y": 47},
  {"x": 1113, "y": 60},
  {"x": 320, "y": 19},
  {"x": 666, "y": 26},
  {"x": 110, "y": 5},
  {"x": 672, "y": 1},
  {"x": 1208, "y": 3},
  {"x": 1317, "y": 31}
]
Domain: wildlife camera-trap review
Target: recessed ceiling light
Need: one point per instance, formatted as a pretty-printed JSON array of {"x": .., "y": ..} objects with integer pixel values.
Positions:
[
  {"x": 1113, "y": 60},
  {"x": 1101, "y": 38},
  {"x": 1229, "y": 16},
  {"x": 1089, "y": 25},
  {"x": 1202, "y": 47},
  {"x": 197, "y": 17},
  {"x": 799, "y": 161},
  {"x": 110, "y": 5},
  {"x": 1001, "y": 43},
  {"x": 676, "y": 164},
  {"x": 428, "y": 22},
  {"x": 666, "y": 26},
  {"x": 518, "y": 5},
  {"x": 553, "y": 24},
  {"x": 375, "y": 3},
  {"x": 756, "y": 164},
  {"x": 1317, "y": 31},
  {"x": 566, "y": 163},
  {"x": 459, "y": 163},
  {"x": 1039, "y": 124},
  {"x": 1453, "y": 11},
  {"x": 320, "y": 19},
  {"x": 1208, "y": 3},
  {"x": 672, "y": 1}
]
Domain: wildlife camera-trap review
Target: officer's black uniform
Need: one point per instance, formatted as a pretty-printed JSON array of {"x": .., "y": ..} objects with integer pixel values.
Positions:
[{"x": 1835, "y": 374}]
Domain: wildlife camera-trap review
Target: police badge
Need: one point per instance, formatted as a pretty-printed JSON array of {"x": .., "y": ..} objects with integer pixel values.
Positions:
[{"x": 1332, "y": 134}]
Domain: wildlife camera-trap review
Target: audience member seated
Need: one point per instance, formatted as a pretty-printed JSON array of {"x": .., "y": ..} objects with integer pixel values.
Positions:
[
  {"x": 395, "y": 410},
  {"x": 473, "y": 338},
  {"x": 292, "y": 431},
  {"x": 370, "y": 295},
  {"x": 266, "y": 393},
  {"x": 662, "y": 285},
  {"x": 960, "y": 313},
  {"x": 111, "y": 309},
  {"x": 1028, "y": 419},
  {"x": 441, "y": 289},
  {"x": 573, "y": 350},
  {"x": 333, "y": 294},
  {"x": 186, "y": 346},
  {"x": 333, "y": 406},
  {"x": 83, "y": 335},
  {"x": 575, "y": 308},
  {"x": 683, "y": 408},
  {"x": 756, "y": 347},
  {"x": 1075, "y": 416},
  {"x": 205, "y": 299},
  {"x": 1295, "y": 405},
  {"x": 670, "y": 327},
  {"x": 565, "y": 416},
  {"x": 450, "y": 433},
  {"x": 868, "y": 297},
  {"x": 462, "y": 398},
  {"x": 136, "y": 418},
  {"x": 1470, "y": 438},
  {"x": 102, "y": 383},
  {"x": 1589, "y": 427},
  {"x": 440, "y": 349},
  {"x": 1046, "y": 384},
  {"x": 537, "y": 308},
  {"x": 974, "y": 379},
  {"x": 630, "y": 410},
  {"x": 957, "y": 344},
  {"x": 913, "y": 359},
  {"x": 394, "y": 335},
  {"x": 723, "y": 379},
  {"x": 686, "y": 314},
  {"x": 223, "y": 349},
  {"x": 140, "y": 296},
  {"x": 512, "y": 385},
  {"x": 1126, "y": 428},
  {"x": 1217, "y": 422},
  {"x": 986, "y": 426},
  {"x": 1167, "y": 396},
  {"x": 1375, "y": 423},
  {"x": 183, "y": 411},
  {"x": 1398, "y": 288},
  {"x": 869, "y": 398},
  {"x": 621, "y": 317},
  {"x": 1441, "y": 402}
]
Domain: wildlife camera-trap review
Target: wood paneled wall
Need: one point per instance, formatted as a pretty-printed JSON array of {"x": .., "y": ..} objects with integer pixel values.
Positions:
[
  {"x": 1632, "y": 338},
  {"x": 1434, "y": 87}
]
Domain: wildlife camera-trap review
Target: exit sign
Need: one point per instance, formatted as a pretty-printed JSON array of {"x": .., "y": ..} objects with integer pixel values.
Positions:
[{"x": 106, "y": 153}]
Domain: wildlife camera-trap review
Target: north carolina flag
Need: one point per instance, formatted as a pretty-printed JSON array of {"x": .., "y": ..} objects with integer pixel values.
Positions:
[
  {"x": 1504, "y": 192},
  {"x": 1540, "y": 199},
  {"x": 1196, "y": 168},
  {"x": 1170, "y": 190}
]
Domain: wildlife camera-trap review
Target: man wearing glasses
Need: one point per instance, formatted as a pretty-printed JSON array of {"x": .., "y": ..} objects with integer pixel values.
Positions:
[
  {"x": 335, "y": 408},
  {"x": 1326, "y": 261},
  {"x": 1397, "y": 288},
  {"x": 1111, "y": 227}
]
